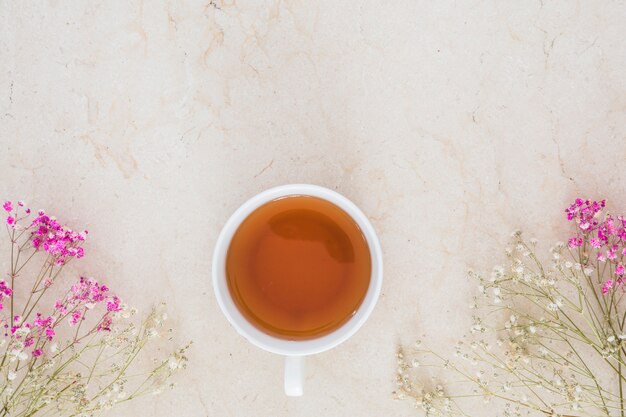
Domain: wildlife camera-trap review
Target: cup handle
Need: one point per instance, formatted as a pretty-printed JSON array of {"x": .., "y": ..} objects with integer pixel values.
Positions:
[{"x": 294, "y": 375}]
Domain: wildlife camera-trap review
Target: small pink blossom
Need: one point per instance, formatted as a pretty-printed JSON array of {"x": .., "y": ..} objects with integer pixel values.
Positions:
[
  {"x": 76, "y": 316},
  {"x": 60, "y": 307},
  {"x": 105, "y": 324},
  {"x": 7, "y": 206},
  {"x": 607, "y": 286},
  {"x": 601, "y": 257},
  {"x": 619, "y": 270},
  {"x": 37, "y": 352},
  {"x": 50, "y": 333},
  {"x": 10, "y": 220},
  {"x": 595, "y": 243},
  {"x": 58, "y": 240},
  {"x": 113, "y": 304},
  {"x": 584, "y": 212},
  {"x": 575, "y": 242},
  {"x": 5, "y": 291}
]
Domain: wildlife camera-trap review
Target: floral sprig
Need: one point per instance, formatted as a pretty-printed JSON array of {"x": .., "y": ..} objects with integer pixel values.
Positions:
[
  {"x": 46, "y": 233},
  {"x": 72, "y": 355},
  {"x": 547, "y": 339},
  {"x": 604, "y": 239}
]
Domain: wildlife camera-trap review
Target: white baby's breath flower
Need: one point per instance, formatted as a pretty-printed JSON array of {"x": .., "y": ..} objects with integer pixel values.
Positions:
[{"x": 11, "y": 376}]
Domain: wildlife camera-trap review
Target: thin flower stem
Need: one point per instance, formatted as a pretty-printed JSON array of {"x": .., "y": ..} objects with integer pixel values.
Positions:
[{"x": 621, "y": 390}]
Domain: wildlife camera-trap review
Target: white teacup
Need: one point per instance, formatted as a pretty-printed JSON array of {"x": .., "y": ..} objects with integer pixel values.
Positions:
[{"x": 295, "y": 351}]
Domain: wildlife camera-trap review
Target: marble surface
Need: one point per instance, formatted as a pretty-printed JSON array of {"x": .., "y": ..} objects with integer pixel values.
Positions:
[{"x": 450, "y": 123}]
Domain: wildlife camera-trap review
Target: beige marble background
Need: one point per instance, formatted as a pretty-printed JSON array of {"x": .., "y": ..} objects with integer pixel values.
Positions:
[{"x": 448, "y": 122}]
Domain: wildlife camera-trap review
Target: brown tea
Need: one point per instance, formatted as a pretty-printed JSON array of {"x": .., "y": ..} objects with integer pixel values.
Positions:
[{"x": 298, "y": 267}]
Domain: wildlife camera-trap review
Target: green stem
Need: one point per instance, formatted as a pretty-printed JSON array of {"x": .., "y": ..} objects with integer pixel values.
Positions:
[{"x": 621, "y": 390}]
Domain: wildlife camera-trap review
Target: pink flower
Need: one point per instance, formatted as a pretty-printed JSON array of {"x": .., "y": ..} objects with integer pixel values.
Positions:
[
  {"x": 10, "y": 220},
  {"x": 584, "y": 213},
  {"x": 43, "y": 326},
  {"x": 601, "y": 257},
  {"x": 29, "y": 342},
  {"x": 76, "y": 316},
  {"x": 607, "y": 286},
  {"x": 595, "y": 243},
  {"x": 60, "y": 307},
  {"x": 619, "y": 270},
  {"x": 113, "y": 304},
  {"x": 58, "y": 240},
  {"x": 7, "y": 206},
  {"x": 105, "y": 325},
  {"x": 37, "y": 352},
  {"x": 5, "y": 291},
  {"x": 50, "y": 333},
  {"x": 575, "y": 242}
]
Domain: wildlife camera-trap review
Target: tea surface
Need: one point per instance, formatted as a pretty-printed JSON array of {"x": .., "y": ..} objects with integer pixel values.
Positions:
[{"x": 298, "y": 267}]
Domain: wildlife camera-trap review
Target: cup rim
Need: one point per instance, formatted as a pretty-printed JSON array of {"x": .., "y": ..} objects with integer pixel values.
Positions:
[{"x": 262, "y": 339}]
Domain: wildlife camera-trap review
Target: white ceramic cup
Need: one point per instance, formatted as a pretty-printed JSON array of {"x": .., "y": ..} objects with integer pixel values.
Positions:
[{"x": 295, "y": 351}]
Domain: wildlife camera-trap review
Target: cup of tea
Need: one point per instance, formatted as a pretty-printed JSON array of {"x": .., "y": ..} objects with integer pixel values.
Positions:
[{"x": 297, "y": 270}]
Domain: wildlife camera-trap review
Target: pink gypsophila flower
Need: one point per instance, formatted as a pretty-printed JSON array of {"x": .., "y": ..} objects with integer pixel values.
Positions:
[
  {"x": 59, "y": 241},
  {"x": 575, "y": 242},
  {"x": 5, "y": 291},
  {"x": 113, "y": 304},
  {"x": 105, "y": 325},
  {"x": 584, "y": 213},
  {"x": 607, "y": 286},
  {"x": 7, "y": 206},
  {"x": 76, "y": 316}
]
